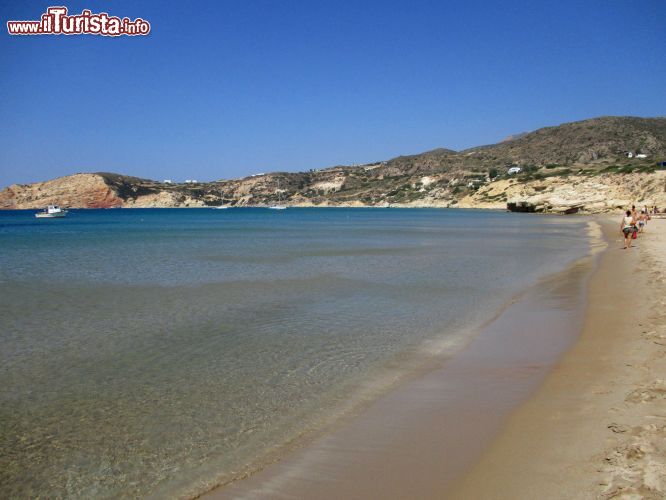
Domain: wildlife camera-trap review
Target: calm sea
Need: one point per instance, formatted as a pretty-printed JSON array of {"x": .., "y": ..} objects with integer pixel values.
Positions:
[{"x": 152, "y": 351}]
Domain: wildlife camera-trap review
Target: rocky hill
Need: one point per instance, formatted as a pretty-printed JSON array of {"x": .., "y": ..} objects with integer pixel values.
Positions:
[{"x": 589, "y": 166}]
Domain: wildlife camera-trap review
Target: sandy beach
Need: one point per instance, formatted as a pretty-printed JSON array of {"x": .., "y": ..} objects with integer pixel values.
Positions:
[
  {"x": 597, "y": 427},
  {"x": 563, "y": 416}
]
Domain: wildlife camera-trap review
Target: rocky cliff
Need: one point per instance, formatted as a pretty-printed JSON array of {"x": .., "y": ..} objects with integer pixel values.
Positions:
[
  {"x": 589, "y": 166},
  {"x": 79, "y": 190}
]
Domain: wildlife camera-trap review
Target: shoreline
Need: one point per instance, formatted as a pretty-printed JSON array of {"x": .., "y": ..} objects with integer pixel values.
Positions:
[
  {"x": 396, "y": 432},
  {"x": 590, "y": 186},
  {"x": 596, "y": 428}
]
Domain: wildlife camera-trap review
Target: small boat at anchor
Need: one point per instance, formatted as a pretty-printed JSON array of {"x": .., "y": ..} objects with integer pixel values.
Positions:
[
  {"x": 51, "y": 212},
  {"x": 279, "y": 205}
]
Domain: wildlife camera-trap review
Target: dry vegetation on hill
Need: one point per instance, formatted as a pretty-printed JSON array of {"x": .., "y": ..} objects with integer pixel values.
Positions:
[{"x": 579, "y": 166}]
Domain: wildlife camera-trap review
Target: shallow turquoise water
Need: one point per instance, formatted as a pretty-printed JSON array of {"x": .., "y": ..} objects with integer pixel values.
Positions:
[{"x": 146, "y": 351}]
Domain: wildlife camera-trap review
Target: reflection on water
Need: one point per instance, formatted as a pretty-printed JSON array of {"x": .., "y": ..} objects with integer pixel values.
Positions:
[{"x": 149, "y": 350}]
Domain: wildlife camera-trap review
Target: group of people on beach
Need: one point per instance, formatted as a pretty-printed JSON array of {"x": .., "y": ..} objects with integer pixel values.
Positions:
[{"x": 634, "y": 223}]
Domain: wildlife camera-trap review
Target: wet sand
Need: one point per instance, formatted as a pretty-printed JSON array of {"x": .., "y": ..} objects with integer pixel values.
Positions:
[
  {"x": 417, "y": 440},
  {"x": 597, "y": 427}
]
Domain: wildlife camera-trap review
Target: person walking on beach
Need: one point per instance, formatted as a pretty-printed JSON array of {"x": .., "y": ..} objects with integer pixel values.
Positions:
[
  {"x": 640, "y": 222},
  {"x": 628, "y": 227}
]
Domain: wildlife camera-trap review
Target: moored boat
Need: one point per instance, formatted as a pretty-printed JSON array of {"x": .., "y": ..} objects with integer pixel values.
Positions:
[
  {"x": 279, "y": 205},
  {"x": 50, "y": 212}
]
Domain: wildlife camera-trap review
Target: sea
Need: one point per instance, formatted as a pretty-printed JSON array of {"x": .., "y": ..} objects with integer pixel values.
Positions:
[{"x": 162, "y": 352}]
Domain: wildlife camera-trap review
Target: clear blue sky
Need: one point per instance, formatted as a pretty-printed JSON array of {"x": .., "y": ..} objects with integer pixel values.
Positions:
[{"x": 225, "y": 89}]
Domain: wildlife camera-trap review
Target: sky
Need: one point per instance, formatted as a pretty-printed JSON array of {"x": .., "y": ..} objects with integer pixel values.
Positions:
[{"x": 223, "y": 89}]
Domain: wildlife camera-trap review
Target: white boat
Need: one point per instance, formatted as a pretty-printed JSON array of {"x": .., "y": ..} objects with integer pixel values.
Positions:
[
  {"x": 278, "y": 206},
  {"x": 50, "y": 212},
  {"x": 221, "y": 207}
]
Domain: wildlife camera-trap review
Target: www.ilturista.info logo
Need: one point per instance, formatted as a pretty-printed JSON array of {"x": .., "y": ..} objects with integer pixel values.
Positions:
[{"x": 56, "y": 21}]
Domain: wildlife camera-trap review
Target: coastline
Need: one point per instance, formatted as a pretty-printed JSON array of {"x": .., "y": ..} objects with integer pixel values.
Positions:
[
  {"x": 412, "y": 206},
  {"x": 417, "y": 439},
  {"x": 590, "y": 186},
  {"x": 597, "y": 426}
]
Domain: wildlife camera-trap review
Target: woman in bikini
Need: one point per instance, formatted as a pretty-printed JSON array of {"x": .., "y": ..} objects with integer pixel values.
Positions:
[{"x": 628, "y": 226}]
